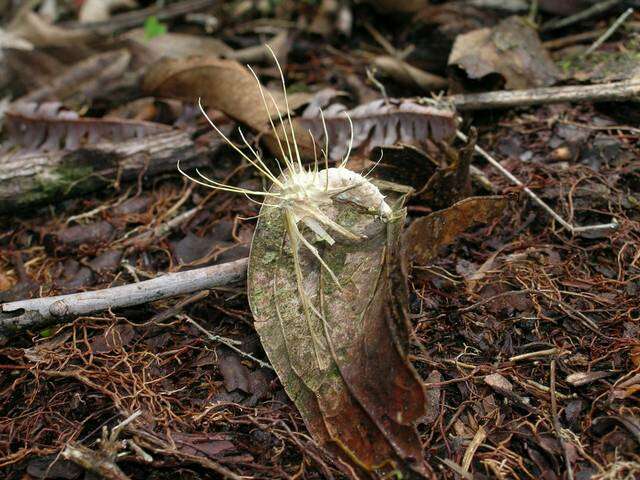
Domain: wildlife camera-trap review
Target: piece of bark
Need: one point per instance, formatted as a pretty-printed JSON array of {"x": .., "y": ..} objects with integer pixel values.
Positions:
[
  {"x": 43, "y": 177},
  {"x": 607, "y": 92}
]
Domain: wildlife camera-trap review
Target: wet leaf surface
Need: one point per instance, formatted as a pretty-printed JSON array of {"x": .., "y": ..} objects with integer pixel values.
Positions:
[{"x": 348, "y": 374}]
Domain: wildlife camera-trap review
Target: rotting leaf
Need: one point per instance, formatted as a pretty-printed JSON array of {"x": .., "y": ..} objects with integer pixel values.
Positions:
[
  {"x": 498, "y": 382},
  {"x": 452, "y": 183},
  {"x": 379, "y": 123},
  {"x": 222, "y": 84},
  {"x": 511, "y": 50},
  {"x": 49, "y": 126},
  {"x": 176, "y": 45},
  {"x": 227, "y": 86},
  {"x": 112, "y": 339},
  {"x": 53, "y": 467},
  {"x": 202, "y": 444},
  {"x": 403, "y": 164},
  {"x": 236, "y": 376},
  {"x": 345, "y": 367},
  {"x": 34, "y": 29},
  {"x": 426, "y": 235}
]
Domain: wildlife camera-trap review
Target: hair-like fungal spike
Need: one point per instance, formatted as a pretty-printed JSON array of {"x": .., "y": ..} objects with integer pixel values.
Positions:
[
  {"x": 346, "y": 157},
  {"x": 302, "y": 195}
]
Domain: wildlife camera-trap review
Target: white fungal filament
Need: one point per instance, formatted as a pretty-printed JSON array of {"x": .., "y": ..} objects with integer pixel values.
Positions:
[{"x": 302, "y": 194}]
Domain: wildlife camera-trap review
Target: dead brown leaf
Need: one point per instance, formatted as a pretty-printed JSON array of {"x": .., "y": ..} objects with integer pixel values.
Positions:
[
  {"x": 347, "y": 372},
  {"x": 452, "y": 183},
  {"x": 392, "y": 6},
  {"x": 31, "y": 27},
  {"x": 84, "y": 80},
  {"x": 379, "y": 123},
  {"x": 221, "y": 84},
  {"x": 112, "y": 339},
  {"x": 403, "y": 164},
  {"x": 498, "y": 382},
  {"x": 511, "y": 50},
  {"x": 425, "y": 236},
  {"x": 406, "y": 74},
  {"x": 177, "y": 45},
  {"x": 49, "y": 126}
]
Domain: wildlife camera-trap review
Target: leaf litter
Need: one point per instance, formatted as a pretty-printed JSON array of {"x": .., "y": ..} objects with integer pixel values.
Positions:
[{"x": 521, "y": 338}]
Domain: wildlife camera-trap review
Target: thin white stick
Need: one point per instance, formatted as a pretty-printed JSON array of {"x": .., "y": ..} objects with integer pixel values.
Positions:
[
  {"x": 603, "y": 38},
  {"x": 38, "y": 311},
  {"x": 534, "y": 197}
]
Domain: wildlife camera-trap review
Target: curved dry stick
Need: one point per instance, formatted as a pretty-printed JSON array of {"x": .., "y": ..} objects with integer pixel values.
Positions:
[{"x": 40, "y": 312}]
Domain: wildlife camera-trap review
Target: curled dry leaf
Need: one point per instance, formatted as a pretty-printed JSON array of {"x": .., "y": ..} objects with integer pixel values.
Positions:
[
  {"x": 379, "y": 123},
  {"x": 32, "y": 28},
  {"x": 345, "y": 367},
  {"x": 424, "y": 237},
  {"x": 227, "y": 86},
  {"x": 48, "y": 126},
  {"x": 403, "y": 164},
  {"x": 280, "y": 45},
  {"x": 221, "y": 84},
  {"x": 177, "y": 45},
  {"x": 511, "y": 50},
  {"x": 452, "y": 183}
]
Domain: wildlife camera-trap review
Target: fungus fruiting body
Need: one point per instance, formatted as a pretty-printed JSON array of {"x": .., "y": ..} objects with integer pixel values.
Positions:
[{"x": 303, "y": 196}]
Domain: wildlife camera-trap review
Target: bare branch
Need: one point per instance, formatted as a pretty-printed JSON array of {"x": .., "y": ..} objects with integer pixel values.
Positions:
[{"x": 39, "y": 312}]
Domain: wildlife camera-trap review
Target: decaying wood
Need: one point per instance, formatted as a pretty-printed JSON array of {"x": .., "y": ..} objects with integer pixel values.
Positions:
[
  {"x": 608, "y": 92},
  {"x": 94, "y": 462},
  {"x": 39, "y": 312},
  {"x": 42, "y": 177}
]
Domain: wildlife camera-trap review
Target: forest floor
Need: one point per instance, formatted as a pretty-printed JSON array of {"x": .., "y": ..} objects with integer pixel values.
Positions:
[{"x": 525, "y": 334}]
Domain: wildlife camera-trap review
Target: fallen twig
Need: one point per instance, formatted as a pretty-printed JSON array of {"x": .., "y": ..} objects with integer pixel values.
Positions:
[
  {"x": 596, "y": 9},
  {"x": 556, "y": 422},
  {"x": 603, "y": 38},
  {"x": 39, "y": 312},
  {"x": 571, "y": 228},
  {"x": 103, "y": 461},
  {"x": 530, "y": 355},
  {"x": 225, "y": 341},
  {"x": 606, "y": 92}
]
